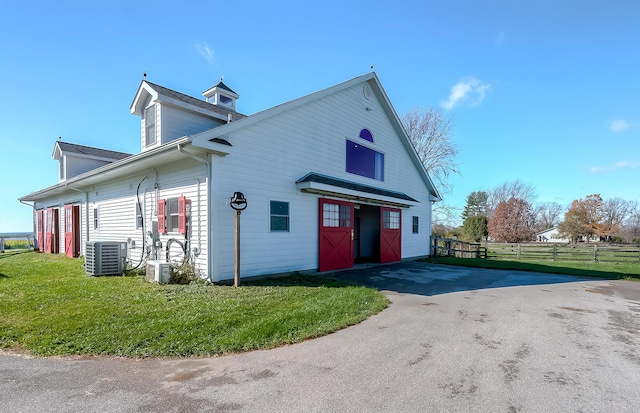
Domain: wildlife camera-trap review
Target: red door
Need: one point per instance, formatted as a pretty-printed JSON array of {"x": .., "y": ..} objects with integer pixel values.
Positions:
[
  {"x": 51, "y": 232},
  {"x": 40, "y": 229},
  {"x": 336, "y": 235},
  {"x": 72, "y": 231},
  {"x": 390, "y": 234}
]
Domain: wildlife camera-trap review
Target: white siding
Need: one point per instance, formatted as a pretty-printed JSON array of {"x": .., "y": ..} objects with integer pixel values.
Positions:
[
  {"x": 76, "y": 165},
  {"x": 116, "y": 203},
  {"x": 176, "y": 122},
  {"x": 269, "y": 157}
]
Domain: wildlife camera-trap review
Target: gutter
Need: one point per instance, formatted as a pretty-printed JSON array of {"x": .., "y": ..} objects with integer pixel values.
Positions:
[{"x": 209, "y": 204}]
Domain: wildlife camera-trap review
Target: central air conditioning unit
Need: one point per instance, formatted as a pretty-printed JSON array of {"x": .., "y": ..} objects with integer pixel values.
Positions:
[
  {"x": 105, "y": 257},
  {"x": 158, "y": 272}
]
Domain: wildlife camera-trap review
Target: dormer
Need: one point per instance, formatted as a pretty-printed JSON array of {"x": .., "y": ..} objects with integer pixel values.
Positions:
[
  {"x": 78, "y": 159},
  {"x": 221, "y": 95},
  {"x": 167, "y": 115}
]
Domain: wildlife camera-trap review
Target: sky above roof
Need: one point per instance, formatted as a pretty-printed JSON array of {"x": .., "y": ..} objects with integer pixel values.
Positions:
[{"x": 546, "y": 92}]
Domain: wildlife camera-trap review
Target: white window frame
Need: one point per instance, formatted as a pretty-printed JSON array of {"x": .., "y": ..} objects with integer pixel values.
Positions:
[{"x": 288, "y": 217}]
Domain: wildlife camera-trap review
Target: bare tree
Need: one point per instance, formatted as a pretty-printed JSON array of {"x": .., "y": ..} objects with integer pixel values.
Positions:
[
  {"x": 615, "y": 211},
  {"x": 630, "y": 228},
  {"x": 431, "y": 133},
  {"x": 510, "y": 189},
  {"x": 548, "y": 215}
]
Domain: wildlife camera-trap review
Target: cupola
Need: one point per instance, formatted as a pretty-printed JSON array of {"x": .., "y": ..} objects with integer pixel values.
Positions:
[{"x": 221, "y": 95}]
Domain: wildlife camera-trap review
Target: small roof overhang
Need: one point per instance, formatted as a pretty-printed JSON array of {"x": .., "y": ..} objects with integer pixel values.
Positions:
[{"x": 316, "y": 183}]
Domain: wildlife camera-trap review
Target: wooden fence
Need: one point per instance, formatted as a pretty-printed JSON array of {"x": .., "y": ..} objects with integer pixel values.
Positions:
[{"x": 595, "y": 252}]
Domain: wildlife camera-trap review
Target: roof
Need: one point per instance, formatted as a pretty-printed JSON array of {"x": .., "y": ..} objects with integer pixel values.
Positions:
[
  {"x": 201, "y": 139},
  {"x": 221, "y": 85},
  {"x": 342, "y": 183},
  {"x": 90, "y": 151},
  {"x": 190, "y": 100}
]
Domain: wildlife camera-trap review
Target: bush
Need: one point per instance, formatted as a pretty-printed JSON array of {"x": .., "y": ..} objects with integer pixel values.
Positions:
[{"x": 184, "y": 273}]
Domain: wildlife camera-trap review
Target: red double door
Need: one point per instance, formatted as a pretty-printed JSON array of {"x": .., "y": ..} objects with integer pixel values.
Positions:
[{"x": 336, "y": 234}]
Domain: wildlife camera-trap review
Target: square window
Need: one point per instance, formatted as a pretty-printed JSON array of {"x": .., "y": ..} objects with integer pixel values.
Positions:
[
  {"x": 364, "y": 161},
  {"x": 391, "y": 219},
  {"x": 415, "y": 225},
  {"x": 279, "y": 216}
]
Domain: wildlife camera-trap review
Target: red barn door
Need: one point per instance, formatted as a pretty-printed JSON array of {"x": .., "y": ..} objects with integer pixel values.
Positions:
[
  {"x": 40, "y": 229},
  {"x": 390, "y": 234},
  {"x": 72, "y": 231},
  {"x": 336, "y": 235}
]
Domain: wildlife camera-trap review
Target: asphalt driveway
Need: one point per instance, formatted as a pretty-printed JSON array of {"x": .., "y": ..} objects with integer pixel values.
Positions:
[{"x": 453, "y": 340}]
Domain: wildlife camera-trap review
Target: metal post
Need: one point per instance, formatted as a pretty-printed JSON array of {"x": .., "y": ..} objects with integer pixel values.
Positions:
[{"x": 236, "y": 272}]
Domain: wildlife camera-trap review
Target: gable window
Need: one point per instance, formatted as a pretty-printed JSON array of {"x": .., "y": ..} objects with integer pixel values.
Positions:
[
  {"x": 96, "y": 218},
  {"x": 364, "y": 161},
  {"x": 415, "y": 225},
  {"x": 279, "y": 216},
  {"x": 150, "y": 125}
]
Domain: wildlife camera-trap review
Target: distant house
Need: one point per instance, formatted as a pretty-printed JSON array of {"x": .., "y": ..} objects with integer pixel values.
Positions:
[
  {"x": 330, "y": 179},
  {"x": 551, "y": 235}
]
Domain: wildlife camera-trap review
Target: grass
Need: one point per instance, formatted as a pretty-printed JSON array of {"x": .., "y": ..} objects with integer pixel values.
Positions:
[
  {"x": 611, "y": 270},
  {"x": 48, "y": 306}
]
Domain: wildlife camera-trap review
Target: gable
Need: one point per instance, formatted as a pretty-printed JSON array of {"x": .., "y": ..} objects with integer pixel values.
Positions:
[{"x": 323, "y": 120}]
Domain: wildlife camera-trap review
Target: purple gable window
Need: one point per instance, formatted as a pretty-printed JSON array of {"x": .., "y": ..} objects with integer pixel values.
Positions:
[
  {"x": 364, "y": 161},
  {"x": 366, "y": 135}
]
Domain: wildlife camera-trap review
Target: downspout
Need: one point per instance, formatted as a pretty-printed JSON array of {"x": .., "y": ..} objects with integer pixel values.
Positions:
[{"x": 209, "y": 198}]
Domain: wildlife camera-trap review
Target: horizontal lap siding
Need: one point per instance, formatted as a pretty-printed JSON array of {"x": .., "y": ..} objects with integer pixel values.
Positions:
[
  {"x": 270, "y": 156},
  {"x": 177, "y": 123},
  {"x": 116, "y": 202}
]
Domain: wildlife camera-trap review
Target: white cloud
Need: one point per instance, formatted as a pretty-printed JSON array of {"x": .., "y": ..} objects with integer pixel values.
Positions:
[
  {"x": 619, "y": 125},
  {"x": 615, "y": 166},
  {"x": 205, "y": 51},
  {"x": 469, "y": 90}
]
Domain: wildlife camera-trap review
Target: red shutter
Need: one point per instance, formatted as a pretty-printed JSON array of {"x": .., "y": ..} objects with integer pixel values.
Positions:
[
  {"x": 183, "y": 205},
  {"x": 162, "y": 216}
]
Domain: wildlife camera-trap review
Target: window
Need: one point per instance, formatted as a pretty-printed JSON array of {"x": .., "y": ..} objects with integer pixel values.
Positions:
[
  {"x": 334, "y": 215},
  {"x": 226, "y": 100},
  {"x": 415, "y": 225},
  {"x": 366, "y": 135},
  {"x": 68, "y": 219},
  {"x": 96, "y": 218},
  {"x": 279, "y": 215},
  {"x": 150, "y": 125},
  {"x": 364, "y": 161},
  {"x": 391, "y": 219},
  {"x": 139, "y": 216},
  {"x": 173, "y": 214}
]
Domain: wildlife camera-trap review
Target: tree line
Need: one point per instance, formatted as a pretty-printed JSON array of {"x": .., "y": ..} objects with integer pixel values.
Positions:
[{"x": 507, "y": 213}]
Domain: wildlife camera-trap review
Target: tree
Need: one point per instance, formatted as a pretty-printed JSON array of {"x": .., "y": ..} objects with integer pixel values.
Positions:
[
  {"x": 630, "y": 227},
  {"x": 586, "y": 217},
  {"x": 431, "y": 134},
  {"x": 548, "y": 215},
  {"x": 475, "y": 228},
  {"x": 512, "y": 221},
  {"x": 507, "y": 190},
  {"x": 476, "y": 204},
  {"x": 615, "y": 211}
]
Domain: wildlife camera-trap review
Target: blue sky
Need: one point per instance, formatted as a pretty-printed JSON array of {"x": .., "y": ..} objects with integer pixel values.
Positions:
[{"x": 547, "y": 92}]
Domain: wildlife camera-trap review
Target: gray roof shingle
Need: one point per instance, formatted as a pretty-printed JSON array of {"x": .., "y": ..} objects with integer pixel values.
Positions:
[
  {"x": 196, "y": 102},
  {"x": 88, "y": 150}
]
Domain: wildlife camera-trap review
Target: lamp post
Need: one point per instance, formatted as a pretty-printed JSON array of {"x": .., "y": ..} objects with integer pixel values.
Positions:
[{"x": 239, "y": 203}]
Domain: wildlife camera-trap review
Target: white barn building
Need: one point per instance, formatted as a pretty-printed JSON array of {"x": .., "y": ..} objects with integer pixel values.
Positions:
[{"x": 330, "y": 179}]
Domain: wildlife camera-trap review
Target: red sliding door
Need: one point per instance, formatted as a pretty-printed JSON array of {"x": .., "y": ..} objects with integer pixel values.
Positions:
[
  {"x": 390, "y": 234},
  {"x": 336, "y": 235}
]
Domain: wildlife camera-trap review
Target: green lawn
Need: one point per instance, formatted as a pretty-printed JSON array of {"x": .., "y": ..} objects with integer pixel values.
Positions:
[
  {"x": 48, "y": 306},
  {"x": 627, "y": 270}
]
